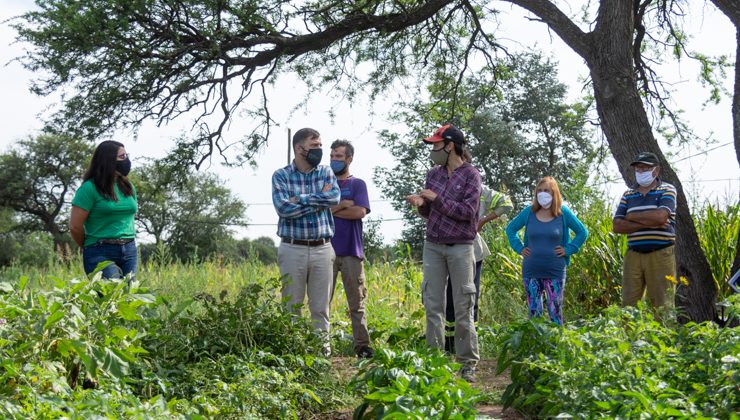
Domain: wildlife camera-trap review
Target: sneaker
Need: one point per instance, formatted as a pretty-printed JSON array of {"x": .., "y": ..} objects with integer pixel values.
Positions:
[
  {"x": 365, "y": 352},
  {"x": 468, "y": 373}
]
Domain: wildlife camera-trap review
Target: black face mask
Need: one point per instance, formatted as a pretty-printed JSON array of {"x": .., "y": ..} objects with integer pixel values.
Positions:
[
  {"x": 313, "y": 157},
  {"x": 123, "y": 166}
]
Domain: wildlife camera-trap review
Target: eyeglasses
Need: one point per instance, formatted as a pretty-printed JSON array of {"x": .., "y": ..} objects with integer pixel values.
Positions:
[{"x": 123, "y": 156}]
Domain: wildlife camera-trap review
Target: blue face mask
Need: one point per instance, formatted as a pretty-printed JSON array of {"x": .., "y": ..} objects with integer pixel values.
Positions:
[{"x": 338, "y": 166}]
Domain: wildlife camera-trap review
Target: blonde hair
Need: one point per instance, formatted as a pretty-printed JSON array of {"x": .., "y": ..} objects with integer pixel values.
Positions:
[{"x": 557, "y": 199}]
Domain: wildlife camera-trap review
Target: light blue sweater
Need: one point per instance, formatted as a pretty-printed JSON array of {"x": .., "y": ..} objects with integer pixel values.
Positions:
[{"x": 570, "y": 222}]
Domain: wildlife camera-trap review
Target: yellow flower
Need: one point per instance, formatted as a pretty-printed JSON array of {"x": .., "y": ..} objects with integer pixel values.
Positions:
[
  {"x": 671, "y": 279},
  {"x": 684, "y": 281}
]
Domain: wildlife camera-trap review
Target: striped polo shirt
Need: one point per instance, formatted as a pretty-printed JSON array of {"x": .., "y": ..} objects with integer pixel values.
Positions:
[{"x": 663, "y": 195}]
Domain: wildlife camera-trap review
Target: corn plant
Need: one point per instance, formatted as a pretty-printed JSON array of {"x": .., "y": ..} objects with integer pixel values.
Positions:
[{"x": 718, "y": 230}]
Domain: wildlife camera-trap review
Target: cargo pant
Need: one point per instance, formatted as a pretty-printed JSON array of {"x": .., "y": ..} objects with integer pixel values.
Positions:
[{"x": 457, "y": 261}]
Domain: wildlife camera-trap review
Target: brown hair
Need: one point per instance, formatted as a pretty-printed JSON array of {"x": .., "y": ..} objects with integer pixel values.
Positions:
[
  {"x": 304, "y": 134},
  {"x": 557, "y": 199}
]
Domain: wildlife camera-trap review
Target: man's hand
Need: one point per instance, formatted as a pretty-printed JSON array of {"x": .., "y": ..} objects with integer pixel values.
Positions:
[
  {"x": 344, "y": 204},
  {"x": 489, "y": 217},
  {"x": 327, "y": 187},
  {"x": 415, "y": 200},
  {"x": 525, "y": 252},
  {"x": 295, "y": 200},
  {"x": 428, "y": 194}
]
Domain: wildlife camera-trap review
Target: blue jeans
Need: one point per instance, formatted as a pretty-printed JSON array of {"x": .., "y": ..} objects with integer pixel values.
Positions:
[{"x": 123, "y": 256}]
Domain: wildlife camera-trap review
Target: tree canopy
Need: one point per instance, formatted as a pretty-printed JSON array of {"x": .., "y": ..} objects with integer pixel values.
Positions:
[
  {"x": 519, "y": 127},
  {"x": 38, "y": 177},
  {"x": 193, "y": 214}
]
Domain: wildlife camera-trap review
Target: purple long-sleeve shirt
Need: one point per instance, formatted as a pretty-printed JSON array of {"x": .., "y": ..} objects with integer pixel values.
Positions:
[{"x": 453, "y": 215}]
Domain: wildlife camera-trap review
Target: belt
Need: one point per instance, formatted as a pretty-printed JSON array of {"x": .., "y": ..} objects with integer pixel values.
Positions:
[
  {"x": 119, "y": 241},
  {"x": 648, "y": 251},
  {"x": 316, "y": 242}
]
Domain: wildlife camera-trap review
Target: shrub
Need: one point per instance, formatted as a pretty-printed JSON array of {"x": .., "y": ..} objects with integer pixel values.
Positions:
[{"x": 622, "y": 364}]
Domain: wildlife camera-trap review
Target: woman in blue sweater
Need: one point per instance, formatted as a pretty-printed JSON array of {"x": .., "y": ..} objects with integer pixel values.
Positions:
[{"x": 547, "y": 247}]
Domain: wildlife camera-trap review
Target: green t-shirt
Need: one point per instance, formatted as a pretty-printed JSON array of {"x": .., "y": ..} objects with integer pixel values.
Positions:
[{"x": 108, "y": 219}]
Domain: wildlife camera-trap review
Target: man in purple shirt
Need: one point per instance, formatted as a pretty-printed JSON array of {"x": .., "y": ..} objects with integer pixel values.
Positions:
[
  {"x": 347, "y": 242},
  {"x": 450, "y": 201}
]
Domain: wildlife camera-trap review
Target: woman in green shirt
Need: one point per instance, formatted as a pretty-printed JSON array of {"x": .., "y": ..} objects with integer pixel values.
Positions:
[{"x": 103, "y": 210}]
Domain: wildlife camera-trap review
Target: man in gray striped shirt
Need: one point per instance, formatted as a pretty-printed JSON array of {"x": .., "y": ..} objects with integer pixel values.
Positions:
[{"x": 647, "y": 214}]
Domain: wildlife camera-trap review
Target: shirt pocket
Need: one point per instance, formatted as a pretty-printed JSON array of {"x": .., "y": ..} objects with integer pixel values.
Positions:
[{"x": 456, "y": 191}]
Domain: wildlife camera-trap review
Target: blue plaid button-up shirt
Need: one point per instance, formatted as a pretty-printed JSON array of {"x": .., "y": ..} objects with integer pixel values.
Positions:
[{"x": 311, "y": 217}]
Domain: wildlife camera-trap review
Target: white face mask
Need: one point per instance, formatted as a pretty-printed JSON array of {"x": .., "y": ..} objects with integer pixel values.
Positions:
[
  {"x": 644, "y": 178},
  {"x": 545, "y": 199}
]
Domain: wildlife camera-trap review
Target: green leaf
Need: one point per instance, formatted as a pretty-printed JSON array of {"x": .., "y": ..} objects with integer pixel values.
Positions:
[
  {"x": 53, "y": 319},
  {"x": 643, "y": 400},
  {"x": 128, "y": 312}
]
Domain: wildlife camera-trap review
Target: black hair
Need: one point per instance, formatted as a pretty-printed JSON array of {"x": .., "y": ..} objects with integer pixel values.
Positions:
[
  {"x": 458, "y": 148},
  {"x": 304, "y": 133},
  {"x": 102, "y": 171},
  {"x": 349, "y": 150}
]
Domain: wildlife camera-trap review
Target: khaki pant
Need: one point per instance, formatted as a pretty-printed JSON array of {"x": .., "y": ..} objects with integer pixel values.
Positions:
[
  {"x": 648, "y": 272},
  {"x": 353, "y": 280},
  {"x": 308, "y": 270},
  {"x": 457, "y": 261}
]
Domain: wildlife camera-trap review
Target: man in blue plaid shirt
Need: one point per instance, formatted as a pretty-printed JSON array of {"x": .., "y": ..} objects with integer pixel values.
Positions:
[{"x": 303, "y": 194}]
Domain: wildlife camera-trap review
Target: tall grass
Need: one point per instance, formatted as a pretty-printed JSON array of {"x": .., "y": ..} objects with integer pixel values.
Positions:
[
  {"x": 718, "y": 230},
  {"x": 394, "y": 287}
]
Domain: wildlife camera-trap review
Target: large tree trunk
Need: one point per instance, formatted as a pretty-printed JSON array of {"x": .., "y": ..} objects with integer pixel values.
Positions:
[
  {"x": 731, "y": 8},
  {"x": 628, "y": 131},
  {"x": 608, "y": 53}
]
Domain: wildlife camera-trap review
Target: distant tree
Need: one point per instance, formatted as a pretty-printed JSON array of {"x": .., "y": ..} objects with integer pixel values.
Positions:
[
  {"x": 261, "y": 249},
  {"x": 19, "y": 246},
  {"x": 37, "y": 179},
  {"x": 518, "y": 125},
  {"x": 372, "y": 239},
  {"x": 192, "y": 213}
]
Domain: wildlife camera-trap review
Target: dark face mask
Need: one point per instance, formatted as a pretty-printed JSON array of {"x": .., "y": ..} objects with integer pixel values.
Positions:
[
  {"x": 439, "y": 157},
  {"x": 123, "y": 166},
  {"x": 313, "y": 157}
]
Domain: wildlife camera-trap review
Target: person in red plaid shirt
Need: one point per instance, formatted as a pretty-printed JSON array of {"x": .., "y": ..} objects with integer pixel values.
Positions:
[{"x": 450, "y": 202}]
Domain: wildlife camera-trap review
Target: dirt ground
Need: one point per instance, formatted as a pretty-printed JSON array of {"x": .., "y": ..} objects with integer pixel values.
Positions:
[{"x": 488, "y": 382}]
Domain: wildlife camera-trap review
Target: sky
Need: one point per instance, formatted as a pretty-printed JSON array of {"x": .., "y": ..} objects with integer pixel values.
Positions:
[{"x": 712, "y": 176}]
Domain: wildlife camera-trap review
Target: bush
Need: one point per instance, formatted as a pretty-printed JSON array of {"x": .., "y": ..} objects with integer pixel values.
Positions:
[{"x": 622, "y": 364}]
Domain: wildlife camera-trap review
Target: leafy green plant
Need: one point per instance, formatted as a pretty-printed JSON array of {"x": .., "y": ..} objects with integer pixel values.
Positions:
[
  {"x": 71, "y": 348},
  {"x": 412, "y": 385},
  {"x": 622, "y": 364}
]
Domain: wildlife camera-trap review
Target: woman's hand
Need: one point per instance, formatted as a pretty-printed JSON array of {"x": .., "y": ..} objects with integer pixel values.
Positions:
[
  {"x": 525, "y": 252},
  {"x": 428, "y": 194},
  {"x": 559, "y": 251},
  {"x": 415, "y": 200}
]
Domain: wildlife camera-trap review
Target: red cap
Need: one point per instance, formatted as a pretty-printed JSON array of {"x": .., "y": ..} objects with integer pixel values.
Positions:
[{"x": 446, "y": 132}]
